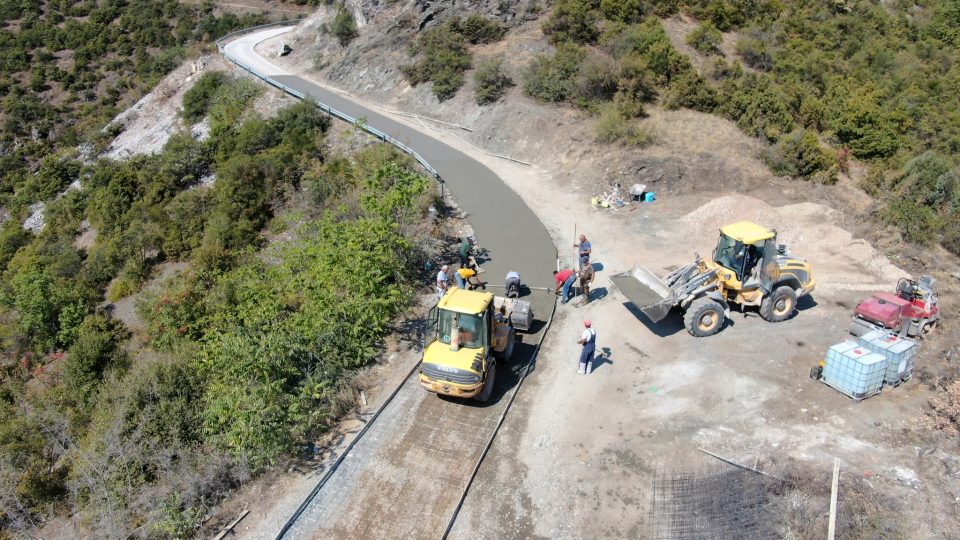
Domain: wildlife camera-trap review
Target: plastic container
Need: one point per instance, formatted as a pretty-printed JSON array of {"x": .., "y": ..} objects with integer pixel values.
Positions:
[
  {"x": 649, "y": 197},
  {"x": 898, "y": 351},
  {"x": 854, "y": 370}
]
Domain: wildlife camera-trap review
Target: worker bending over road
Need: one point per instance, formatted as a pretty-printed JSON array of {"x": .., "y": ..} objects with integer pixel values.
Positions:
[{"x": 564, "y": 280}]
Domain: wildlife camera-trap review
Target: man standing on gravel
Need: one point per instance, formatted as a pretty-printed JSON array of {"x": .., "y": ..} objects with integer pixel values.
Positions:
[
  {"x": 589, "y": 341},
  {"x": 586, "y": 278},
  {"x": 585, "y": 249},
  {"x": 442, "y": 282}
]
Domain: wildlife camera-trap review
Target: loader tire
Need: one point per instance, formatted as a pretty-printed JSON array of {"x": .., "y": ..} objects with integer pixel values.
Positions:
[
  {"x": 487, "y": 391},
  {"x": 779, "y": 305},
  {"x": 508, "y": 349},
  {"x": 704, "y": 318}
]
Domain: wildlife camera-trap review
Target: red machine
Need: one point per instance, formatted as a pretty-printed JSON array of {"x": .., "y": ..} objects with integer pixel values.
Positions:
[{"x": 913, "y": 311}]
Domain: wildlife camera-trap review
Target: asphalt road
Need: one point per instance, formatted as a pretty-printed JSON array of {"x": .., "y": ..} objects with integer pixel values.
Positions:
[
  {"x": 504, "y": 225},
  {"x": 404, "y": 478}
]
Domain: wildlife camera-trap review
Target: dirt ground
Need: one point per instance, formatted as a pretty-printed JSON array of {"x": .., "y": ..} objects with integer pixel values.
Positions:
[{"x": 577, "y": 454}]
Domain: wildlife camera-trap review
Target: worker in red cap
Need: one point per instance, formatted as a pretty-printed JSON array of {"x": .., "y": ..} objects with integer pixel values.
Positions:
[{"x": 589, "y": 341}]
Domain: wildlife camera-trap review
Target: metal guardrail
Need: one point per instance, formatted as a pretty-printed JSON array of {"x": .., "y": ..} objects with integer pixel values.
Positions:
[{"x": 221, "y": 46}]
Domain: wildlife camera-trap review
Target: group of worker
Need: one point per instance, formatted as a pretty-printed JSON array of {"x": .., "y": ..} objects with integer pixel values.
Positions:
[
  {"x": 465, "y": 277},
  {"x": 566, "y": 278}
]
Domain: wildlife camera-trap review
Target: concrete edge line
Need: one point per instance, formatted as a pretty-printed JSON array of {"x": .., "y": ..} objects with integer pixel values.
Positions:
[
  {"x": 496, "y": 431},
  {"x": 336, "y": 464}
]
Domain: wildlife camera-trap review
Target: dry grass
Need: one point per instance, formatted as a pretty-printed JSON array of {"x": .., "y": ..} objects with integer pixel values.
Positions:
[{"x": 862, "y": 510}]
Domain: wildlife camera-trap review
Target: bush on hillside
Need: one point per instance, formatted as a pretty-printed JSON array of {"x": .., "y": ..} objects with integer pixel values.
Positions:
[
  {"x": 490, "y": 80},
  {"x": 551, "y": 78},
  {"x": 860, "y": 121},
  {"x": 690, "y": 91},
  {"x": 755, "y": 52},
  {"x": 197, "y": 100},
  {"x": 917, "y": 222},
  {"x": 705, "y": 38},
  {"x": 597, "y": 80},
  {"x": 757, "y": 106},
  {"x": 442, "y": 58},
  {"x": 572, "y": 21},
  {"x": 343, "y": 26},
  {"x": 477, "y": 29},
  {"x": 800, "y": 155},
  {"x": 637, "y": 85},
  {"x": 612, "y": 126},
  {"x": 626, "y": 11}
]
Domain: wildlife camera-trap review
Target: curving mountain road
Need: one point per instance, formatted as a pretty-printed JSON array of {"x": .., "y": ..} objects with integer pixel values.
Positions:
[
  {"x": 503, "y": 224},
  {"x": 405, "y": 476}
]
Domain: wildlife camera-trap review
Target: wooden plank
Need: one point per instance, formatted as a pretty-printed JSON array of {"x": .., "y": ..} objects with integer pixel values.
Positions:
[
  {"x": 229, "y": 528},
  {"x": 832, "y": 527}
]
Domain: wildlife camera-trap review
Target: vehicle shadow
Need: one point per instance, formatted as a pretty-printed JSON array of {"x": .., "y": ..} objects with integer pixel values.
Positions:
[
  {"x": 669, "y": 326},
  {"x": 508, "y": 375},
  {"x": 806, "y": 302}
]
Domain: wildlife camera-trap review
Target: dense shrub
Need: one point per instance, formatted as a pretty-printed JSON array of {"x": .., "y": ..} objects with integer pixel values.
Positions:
[
  {"x": 800, "y": 155},
  {"x": 757, "y": 106},
  {"x": 626, "y": 11},
  {"x": 95, "y": 351},
  {"x": 443, "y": 58},
  {"x": 705, "y": 38},
  {"x": 755, "y": 52},
  {"x": 343, "y": 26},
  {"x": 573, "y": 21},
  {"x": 551, "y": 78},
  {"x": 690, "y": 91},
  {"x": 490, "y": 80},
  {"x": 596, "y": 80},
  {"x": 477, "y": 29},
  {"x": 197, "y": 100},
  {"x": 861, "y": 122},
  {"x": 612, "y": 126}
]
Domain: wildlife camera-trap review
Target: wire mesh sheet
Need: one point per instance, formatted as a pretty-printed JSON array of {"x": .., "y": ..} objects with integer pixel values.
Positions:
[{"x": 713, "y": 502}]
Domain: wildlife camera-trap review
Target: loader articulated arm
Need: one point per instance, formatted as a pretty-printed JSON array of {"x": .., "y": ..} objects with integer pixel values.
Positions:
[{"x": 655, "y": 297}]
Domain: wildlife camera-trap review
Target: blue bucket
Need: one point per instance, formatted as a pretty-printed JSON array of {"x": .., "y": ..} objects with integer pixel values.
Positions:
[{"x": 649, "y": 197}]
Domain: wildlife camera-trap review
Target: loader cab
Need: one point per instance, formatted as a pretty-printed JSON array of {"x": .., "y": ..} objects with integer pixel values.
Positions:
[
  {"x": 470, "y": 317},
  {"x": 748, "y": 250}
]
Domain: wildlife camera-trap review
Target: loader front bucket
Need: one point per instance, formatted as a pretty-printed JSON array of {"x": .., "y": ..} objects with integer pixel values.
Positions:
[{"x": 647, "y": 291}]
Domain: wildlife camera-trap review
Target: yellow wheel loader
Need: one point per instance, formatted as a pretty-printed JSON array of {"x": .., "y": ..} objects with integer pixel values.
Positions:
[
  {"x": 748, "y": 268},
  {"x": 470, "y": 330}
]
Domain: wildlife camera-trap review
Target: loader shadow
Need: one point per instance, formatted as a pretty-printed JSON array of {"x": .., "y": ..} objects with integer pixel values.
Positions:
[
  {"x": 806, "y": 302},
  {"x": 670, "y": 325},
  {"x": 508, "y": 375}
]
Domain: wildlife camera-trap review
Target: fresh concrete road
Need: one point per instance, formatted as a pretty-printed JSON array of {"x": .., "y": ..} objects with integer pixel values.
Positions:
[
  {"x": 503, "y": 224},
  {"x": 405, "y": 477}
]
